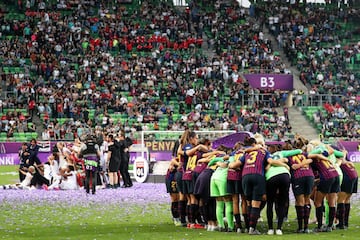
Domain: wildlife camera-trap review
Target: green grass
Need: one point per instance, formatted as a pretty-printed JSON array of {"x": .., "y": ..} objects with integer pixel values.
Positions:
[
  {"x": 48, "y": 220},
  {"x": 43, "y": 223},
  {"x": 9, "y": 174}
]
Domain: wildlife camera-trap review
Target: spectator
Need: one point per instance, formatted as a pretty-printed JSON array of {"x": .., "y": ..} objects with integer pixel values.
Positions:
[{"x": 33, "y": 149}]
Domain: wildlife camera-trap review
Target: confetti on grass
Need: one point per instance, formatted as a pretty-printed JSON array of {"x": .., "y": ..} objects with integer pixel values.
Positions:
[{"x": 140, "y": 194}]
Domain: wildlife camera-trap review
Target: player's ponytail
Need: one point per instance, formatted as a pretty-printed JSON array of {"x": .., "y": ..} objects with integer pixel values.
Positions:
[{"x": 184, "y": 138}]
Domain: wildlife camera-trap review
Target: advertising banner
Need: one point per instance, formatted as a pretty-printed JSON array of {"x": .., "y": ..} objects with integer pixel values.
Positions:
[
  {"x": 350, "y": 146},
  {"x": 13, "y": 158},
  {"x": 9, "y": 159},
  {"x": 13, "y": 147},
  {"x": 231, "y": 139},
  {"x": 155, "y": 150},
  {"x": 141, "y": 169},
  {"x": 134, "y": 155},
  {"x": 354, "y": 156},
  {"x": 270, "y": 81}
]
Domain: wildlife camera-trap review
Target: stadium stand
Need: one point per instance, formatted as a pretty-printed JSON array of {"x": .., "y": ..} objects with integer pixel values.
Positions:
[{"x": 322, "y": 42}]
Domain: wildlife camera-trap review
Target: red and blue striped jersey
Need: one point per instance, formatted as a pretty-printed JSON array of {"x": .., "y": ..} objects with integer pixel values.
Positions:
[
  {"x": 255, "y": 162},
  {"x": 349, "y": 171},
  {"x": 325, "y": 168},
  {"x": 300, "y": 172}
]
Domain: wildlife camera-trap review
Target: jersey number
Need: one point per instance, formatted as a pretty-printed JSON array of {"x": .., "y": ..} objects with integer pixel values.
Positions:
[
  {"x": 191, "y": 163},
  {"x": 238, "y": 156},
  {"x": 252, "y": 157},
  {"x": 326, "y": 163},
  {"x": 299, "y": 158}
]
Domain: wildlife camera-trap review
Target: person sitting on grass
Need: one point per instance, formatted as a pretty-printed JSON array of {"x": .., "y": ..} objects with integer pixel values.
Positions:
[
  {"x": 48, "y": 172},
  {"x": 69, "y": 181},
  {"x": 24, "y": 184},
  {"x": 65, "y": 180}
]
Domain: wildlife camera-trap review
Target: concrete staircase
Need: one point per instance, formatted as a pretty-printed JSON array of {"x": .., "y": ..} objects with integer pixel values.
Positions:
[
  {"x": 39, "y": 126},
  {"x": 297, "y": 83},
  {"x": 301, "y": 125},
  {"x": 298, "y": 121}
]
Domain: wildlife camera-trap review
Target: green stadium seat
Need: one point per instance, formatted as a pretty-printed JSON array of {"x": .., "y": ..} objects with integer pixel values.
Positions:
[
  {"x": 28, "y": 135},
  {"x": 6, "y": 70}
]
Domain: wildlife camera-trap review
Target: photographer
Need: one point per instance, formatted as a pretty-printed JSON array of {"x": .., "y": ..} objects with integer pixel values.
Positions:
[{"x": 91, "y": 157}]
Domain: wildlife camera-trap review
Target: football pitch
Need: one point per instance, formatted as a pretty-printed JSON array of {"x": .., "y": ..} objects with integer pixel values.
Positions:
[{"x": 140, "y": 212}]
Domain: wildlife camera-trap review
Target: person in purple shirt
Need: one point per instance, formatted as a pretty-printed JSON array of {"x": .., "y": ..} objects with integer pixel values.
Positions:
[
  {"x": 171, "y": 188},
  {"x": 202, "y": 189},
  {"x": 253, "y": 181},
  {"x": 328, "y": 187},
  {"x": 179, "y": 182},
  {"x": 234, "y": 186},
  {"x": 192, "y": 152},
  {"x": 302, "y": 179},
  {"x": 348, "y": 187},
  {"x": 189, "y": 149}
]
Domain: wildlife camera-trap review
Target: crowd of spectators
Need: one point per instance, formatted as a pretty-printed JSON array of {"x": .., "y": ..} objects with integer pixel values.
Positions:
[
  {"x": 88, "y": 60},
  {"x": 339, "y": 120},
  {"x": 313, "y": 39},
  {"x": 323, "y": 43}
]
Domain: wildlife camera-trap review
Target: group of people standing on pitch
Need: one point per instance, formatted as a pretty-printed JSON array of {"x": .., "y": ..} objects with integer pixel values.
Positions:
[
  {"x": 98, "y": 162},
  {"x": 105, "y": 159},
  {"x": 208, "y": 187},
  {"x": 117, "y": 159}
]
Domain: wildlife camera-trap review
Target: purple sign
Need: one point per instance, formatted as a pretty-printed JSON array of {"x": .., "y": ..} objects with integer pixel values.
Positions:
[
  {"x": 13, "y": 158},
  {"x": 9, "y": 159},
  {"x": 230, "y": 140},
  {"x": 352, "y": 148},
  {"x": 9, "y": 150},
  {"x": 354, "y": 156},
  {"x": 10, "y": 147},
  {"x": 270, "y": 81},
  {"x": 134, "y": 155},
  {"x": 161, "y": 156},
  {"x": 349, "y": 145},
  {"x": 13, "y": 147}
]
